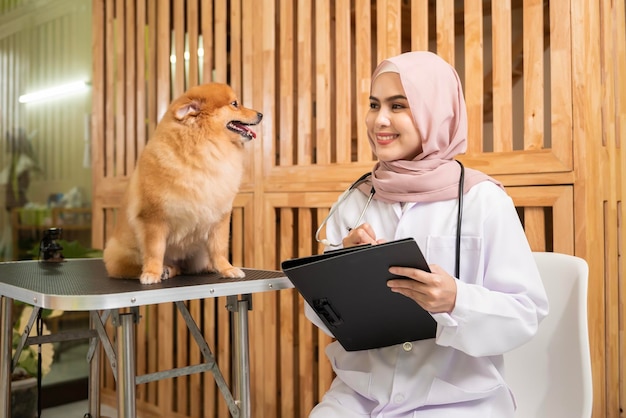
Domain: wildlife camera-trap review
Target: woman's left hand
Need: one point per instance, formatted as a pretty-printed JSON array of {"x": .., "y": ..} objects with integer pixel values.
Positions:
[{"x": 435, "y": 291}]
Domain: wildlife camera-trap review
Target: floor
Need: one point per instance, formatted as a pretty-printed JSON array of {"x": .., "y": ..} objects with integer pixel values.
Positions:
[{"x": 71, "y": 364}]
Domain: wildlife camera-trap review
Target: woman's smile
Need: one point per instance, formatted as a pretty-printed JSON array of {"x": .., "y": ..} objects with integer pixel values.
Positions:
[{"x": 385, "y": 138}]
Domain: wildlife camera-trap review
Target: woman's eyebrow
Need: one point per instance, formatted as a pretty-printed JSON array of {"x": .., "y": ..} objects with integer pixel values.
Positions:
[
  {"x": 396, "y": 97},
  {"x": 390, "y": 99}
]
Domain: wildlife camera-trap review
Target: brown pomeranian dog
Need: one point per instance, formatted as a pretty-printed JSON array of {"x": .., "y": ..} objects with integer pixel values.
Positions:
[{"x": 175, "y": 216}]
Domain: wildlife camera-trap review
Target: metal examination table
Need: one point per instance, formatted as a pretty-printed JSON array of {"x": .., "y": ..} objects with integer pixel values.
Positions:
[{"x": 83, "y": 285}]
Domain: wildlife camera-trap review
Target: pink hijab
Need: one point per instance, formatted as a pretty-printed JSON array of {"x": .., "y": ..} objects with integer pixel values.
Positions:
[{"x": 435, "y": 95}]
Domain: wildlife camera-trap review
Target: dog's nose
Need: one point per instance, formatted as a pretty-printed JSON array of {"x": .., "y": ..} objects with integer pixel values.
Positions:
[{"x": 259, "y": 115}]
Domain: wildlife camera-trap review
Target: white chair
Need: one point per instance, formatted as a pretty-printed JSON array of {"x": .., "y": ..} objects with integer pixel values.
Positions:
[{"x": 550, "y": 376}]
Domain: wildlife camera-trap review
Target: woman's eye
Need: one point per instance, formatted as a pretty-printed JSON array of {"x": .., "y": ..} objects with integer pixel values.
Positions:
[
  {"x": 398, "y": 106},
  {"x": 373, "y": 105}
]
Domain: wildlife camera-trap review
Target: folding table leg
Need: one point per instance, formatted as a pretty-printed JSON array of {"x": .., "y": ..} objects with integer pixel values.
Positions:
[
  {"x": 126, "y": 366},
  {"x": 94, "y": 369},
  {"x": 233, "y": 407},
  {"x": 243, "y": 356},
  {"x": 6, "y": 336}
]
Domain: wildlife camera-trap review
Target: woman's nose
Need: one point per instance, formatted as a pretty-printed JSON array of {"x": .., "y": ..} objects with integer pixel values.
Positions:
[{"x": 382, "y": 118}]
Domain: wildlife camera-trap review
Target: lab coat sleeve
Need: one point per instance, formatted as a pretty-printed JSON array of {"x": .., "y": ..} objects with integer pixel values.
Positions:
[{"x": 504, "y": 311}]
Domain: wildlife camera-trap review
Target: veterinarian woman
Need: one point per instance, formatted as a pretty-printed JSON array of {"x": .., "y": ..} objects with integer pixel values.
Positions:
[{"x": 417, "y": 125}]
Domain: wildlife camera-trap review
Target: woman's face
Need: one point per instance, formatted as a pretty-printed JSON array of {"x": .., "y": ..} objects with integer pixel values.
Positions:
[{"x": 389, "y": 121}]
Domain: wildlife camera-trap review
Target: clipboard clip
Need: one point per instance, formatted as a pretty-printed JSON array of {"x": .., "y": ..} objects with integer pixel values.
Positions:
[{"x": 323, "y": 309}]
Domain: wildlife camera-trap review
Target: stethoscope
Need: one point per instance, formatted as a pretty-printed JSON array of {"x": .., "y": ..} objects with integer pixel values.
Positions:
[{"x": 364, "y": 178}]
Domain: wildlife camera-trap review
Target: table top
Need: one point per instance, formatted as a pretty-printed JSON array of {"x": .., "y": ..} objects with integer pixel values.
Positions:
[{"x": 83, "y": 284}]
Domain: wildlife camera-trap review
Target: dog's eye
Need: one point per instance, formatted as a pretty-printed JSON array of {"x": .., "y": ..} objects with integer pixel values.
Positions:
[{"x": 235, "y": 103}]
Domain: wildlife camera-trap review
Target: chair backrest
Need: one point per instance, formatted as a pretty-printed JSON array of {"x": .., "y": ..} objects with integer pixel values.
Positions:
[{"x": 550, "y": 376}]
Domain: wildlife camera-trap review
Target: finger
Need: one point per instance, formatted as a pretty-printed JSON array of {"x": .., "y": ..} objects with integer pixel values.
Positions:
[
  {"x": 437, "y": 269},
  {"x": 365, "y": 233},
  {"x": 403, "y": 291},
  {"x": 365, "y": 236},
  {"x": 404, "y": 285},
  {"x": 410, "y": 272},
  {"x": 358, "y": 236},
  {"x": 417, "y": 297},
  {"x": 368, "y": 229}
]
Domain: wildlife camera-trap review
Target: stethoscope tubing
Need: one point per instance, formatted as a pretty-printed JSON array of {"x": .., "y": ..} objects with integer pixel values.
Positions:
[
  {"x": 367, "y": 205},
  {"x": 352, "y": 187}
]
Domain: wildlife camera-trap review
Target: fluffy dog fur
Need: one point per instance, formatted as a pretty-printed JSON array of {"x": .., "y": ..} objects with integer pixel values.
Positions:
[{"x": 175, "y": 216}]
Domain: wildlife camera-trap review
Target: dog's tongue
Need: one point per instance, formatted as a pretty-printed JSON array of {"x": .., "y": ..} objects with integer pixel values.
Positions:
[
  {"x": 251, "y": 132},
  {"x": 247, "y": 131}
]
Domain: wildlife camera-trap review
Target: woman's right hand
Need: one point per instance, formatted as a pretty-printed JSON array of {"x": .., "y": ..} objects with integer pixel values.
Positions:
[{"x": 363, "y": 234}]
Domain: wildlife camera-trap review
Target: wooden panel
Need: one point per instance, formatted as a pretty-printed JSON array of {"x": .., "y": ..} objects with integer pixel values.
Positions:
[
  {"x": 589, "y": 221},
  {"x": 286, "y": 106},
  {"x": 288, "y": 317},
  {"x": 615, "y": 232},
  {"x": 323, "y": 367},
  {"x": 419, "y": 25},
  {"x": 163, "y": 51},
  {"x": 502, "y": 89},
  {"x": 178, "y": 47},
  {"x": 560, "y": 201},
  {"x": 445, "y": 30},
  {"x": 141, "y": 47},
  {"x": 118, "y": 115},
  {"x": 304, "y": 128},
  {"x": 235, "y": 35},
  {"x": 306, "y": 362},
  {"x": 363, "y": 70},
  {"x": 474, "y": 69},
  {"x": 617, "y": 213},
  {"x": 130, "y": 85},
  {"x": 98, "y": 106},
  {"x": 613, "y": 349},
  {"x": 533, "y": 74},
  {"x": 388, "y": 33},
  {"x": 324, "y": 134},
  {"x": 151, "y": 64},
  {"x": 193, "y": 41},
  {"x": 343, "y": 84},
  {"x": 220, "y": 32},
  {"x": 560, "y": 95},
  {"x": 206, "y": 29}
]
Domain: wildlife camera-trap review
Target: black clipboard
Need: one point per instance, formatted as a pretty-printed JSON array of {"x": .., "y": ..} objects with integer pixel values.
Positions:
[{"x": 348, "y": 290}]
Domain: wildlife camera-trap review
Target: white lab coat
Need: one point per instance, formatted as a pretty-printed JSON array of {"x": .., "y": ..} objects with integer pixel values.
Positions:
[{"x": 499, "y": 304}]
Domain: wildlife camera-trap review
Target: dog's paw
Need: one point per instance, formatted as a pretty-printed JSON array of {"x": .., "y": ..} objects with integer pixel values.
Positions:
[
  {"x": 149, "y": 278},
  {"x": 169, "y": 272},
  {"x": 233, "y": 273}
]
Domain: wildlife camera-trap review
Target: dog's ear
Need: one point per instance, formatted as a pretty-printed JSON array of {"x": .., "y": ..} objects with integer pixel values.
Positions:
[{"x": 191, "y": 108}]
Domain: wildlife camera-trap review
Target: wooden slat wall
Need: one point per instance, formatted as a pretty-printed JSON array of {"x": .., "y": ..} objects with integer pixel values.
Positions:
[{"x": 306, "y": 66}]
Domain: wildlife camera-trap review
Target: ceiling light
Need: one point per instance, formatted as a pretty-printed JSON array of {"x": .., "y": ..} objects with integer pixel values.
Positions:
[{"x": 54, "y": 92}]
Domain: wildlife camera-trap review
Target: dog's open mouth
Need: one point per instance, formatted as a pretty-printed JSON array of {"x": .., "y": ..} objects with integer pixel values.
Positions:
[{"x": 241, "y": 128}]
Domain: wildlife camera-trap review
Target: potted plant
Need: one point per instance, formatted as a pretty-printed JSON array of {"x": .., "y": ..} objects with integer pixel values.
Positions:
[
  {"x": 17, "y": 174},
  {"x": 21, "y": 163}
]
